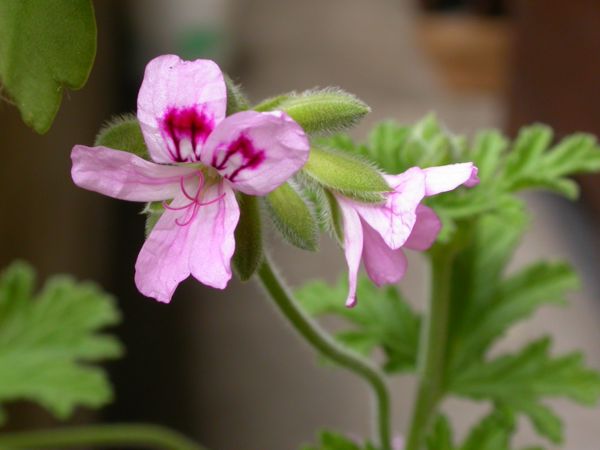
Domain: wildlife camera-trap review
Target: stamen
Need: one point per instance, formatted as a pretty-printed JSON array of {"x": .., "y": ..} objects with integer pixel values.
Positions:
[
  {"x": 175, "y": 208},
  {"x": 194, "y": 201},
  {"x": 189, "y": 220},
  {"x": 214, "y": 200},
  {"x": 200, "y": 186}
]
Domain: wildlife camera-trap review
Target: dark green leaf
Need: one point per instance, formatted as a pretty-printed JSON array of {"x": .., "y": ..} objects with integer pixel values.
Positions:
[{"x": 44, "y": 47}]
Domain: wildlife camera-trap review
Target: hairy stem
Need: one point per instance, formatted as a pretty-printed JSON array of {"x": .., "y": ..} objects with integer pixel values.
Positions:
[
  {"x": 324, "y": 344},
  {"x": 132, "y": 435},
  {"x": 432, "y": 349}
]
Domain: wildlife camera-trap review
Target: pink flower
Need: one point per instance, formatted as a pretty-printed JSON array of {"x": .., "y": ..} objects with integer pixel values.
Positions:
[
  {"x": 376, "y": 233},
  {"x": 200, "y": 157}
]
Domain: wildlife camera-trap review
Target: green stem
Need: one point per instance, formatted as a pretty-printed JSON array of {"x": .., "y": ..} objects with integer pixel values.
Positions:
[
  {"x": 323, "y": 343},
  {"x": 432, "y": 349},
  {"x": 135, "y": 435}
]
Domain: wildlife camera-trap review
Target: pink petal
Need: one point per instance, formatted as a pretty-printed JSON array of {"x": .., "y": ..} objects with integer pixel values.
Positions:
[
  {"x": 179, "y": 104},
  {"x": 163, "y": 261},
  {"x": 383, "y": 265},
  {"x": 255, "y": 151},
  {"x": 446, "y": 178},
  {"x": 426, "y": 229},
  {"x": 214, "y": 243},
  {"x": 124, "y": 175},
  {"x": 353, "y": 247},
  {"x": 394, "y": 220},
  {"x": 185, "y": 241}
]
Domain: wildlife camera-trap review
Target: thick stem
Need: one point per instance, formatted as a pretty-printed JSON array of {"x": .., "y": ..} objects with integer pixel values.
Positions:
[
  {"x": 432, "y": 349},
  {"x": 132, "y": 435},
  {"x": 324, "y": 344}
]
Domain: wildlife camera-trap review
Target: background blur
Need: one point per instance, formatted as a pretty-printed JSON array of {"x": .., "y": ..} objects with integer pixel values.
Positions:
[{"x": 221, "y": 366}]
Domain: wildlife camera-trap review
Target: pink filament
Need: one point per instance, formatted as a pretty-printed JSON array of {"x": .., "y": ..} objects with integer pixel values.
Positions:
[{"x": 194, "y": 201}]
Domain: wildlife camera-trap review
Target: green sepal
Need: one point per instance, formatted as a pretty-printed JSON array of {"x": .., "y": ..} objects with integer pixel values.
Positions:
[
  {"x": 153, "y": 211},
  {"x": 248, "y": 238},
  {"x": 272, "y": 103},
  {"x": 335, "y": 217},
  {"x": 236, "y": 100},
  {"x": 123, "y": 133},
  {"x": 325, "y": 110},
  {"x": 292, "y": 216},
  {"x": 346, "y": 174}
]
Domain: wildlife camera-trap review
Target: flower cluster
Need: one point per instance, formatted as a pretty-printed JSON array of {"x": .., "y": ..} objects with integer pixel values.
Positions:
[{"x": 201, "y": 157}]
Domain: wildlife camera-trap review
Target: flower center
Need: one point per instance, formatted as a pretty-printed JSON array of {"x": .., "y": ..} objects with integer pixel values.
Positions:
[
  {"x": 184, "y": 131},
  {"x": 191, "y": 209},
  {"x": 239, "y": 156}
]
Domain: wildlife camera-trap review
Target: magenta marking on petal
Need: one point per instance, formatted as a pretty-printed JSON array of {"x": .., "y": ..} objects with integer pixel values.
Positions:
[
  {"x": 183, "y": 130},
  {"x": 251, "y": 157}
]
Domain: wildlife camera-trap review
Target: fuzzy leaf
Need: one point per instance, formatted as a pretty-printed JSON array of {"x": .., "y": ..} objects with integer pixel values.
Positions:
[
  {"x": 397, "y": 148},
  {"x": 487, "y": 152},
  {"x": 44, "y": 47},
  {"x": 123, "y": 133},
  {"x": 323, "y": 110},
  {"x": 248, "y": 238},
  {"x": 47, "y": 342},
  {"x": 492, "y": 433},
  {"x": 519, "y": 381},
  {"x": 383, "y": 320},
  {"x": 441, "y": 435},
  {"x": 533, "y": 164},
  {"x": 346, "y": 174},
  {"x": 477, "y": 273},
  {"x": 515, "y": 299},
  {"x": 293, "y": 217}
]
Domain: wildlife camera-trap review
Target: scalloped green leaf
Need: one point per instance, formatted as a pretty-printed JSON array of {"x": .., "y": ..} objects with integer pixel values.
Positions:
[{"x": 49, "y": 341}]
